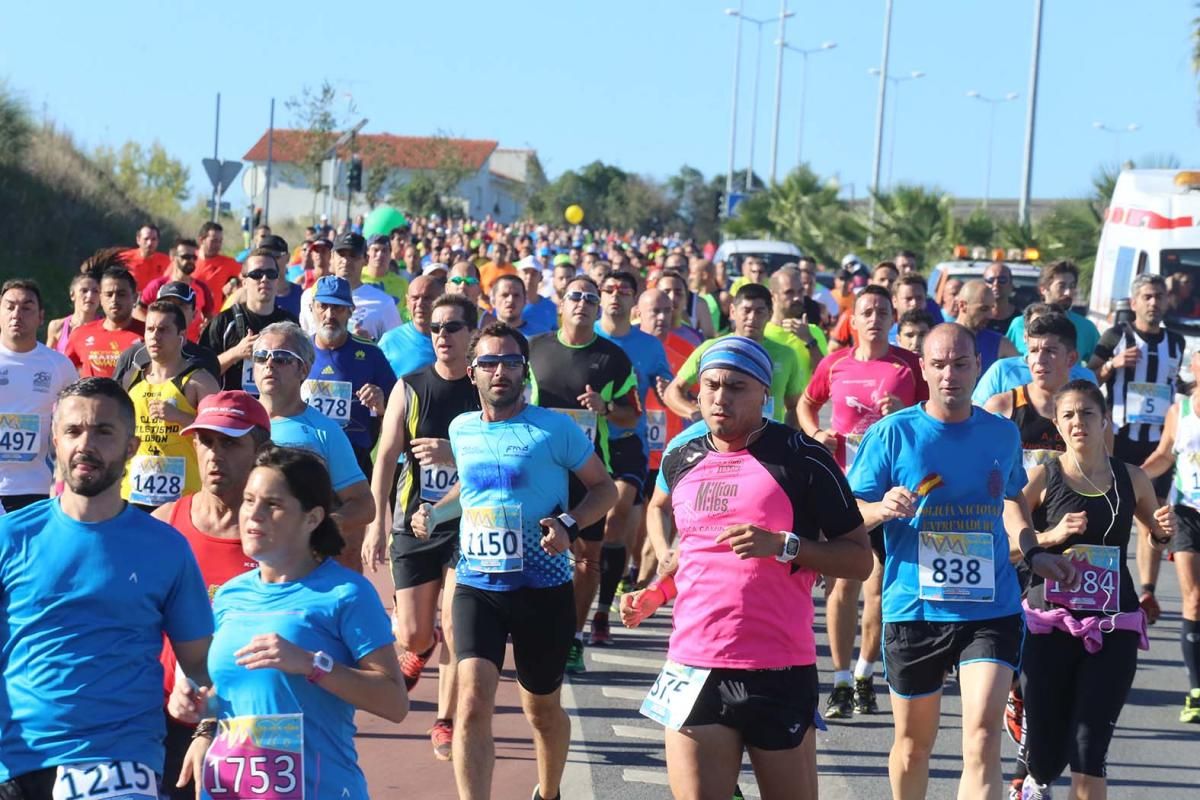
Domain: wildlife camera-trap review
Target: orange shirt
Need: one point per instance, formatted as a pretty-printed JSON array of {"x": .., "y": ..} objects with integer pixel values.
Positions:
[
  {"x": 490, "y": 271},
  {"x": 678, "y": 349},
  {"x": 215, "y": 272},
  {"x": 94, "y": 349},
  {"x": 146, "y": 269}
]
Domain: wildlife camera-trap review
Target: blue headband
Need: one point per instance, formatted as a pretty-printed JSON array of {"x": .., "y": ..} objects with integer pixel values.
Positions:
[{"x": 738, "y": 352}]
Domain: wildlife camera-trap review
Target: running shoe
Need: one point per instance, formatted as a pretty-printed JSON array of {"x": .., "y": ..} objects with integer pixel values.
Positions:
[
  {"x": 864, "y": 696},
  {"x": 537, "y": 794},
  {"x": 1191, "y": 707},
  {"x": 1014, "y": 788},
  {"x": 600, "y": 632},
  {"x": 411, "y": 664},
  {"x": 737, "y": 793},
  {"x": 1014, "y": 716},
  {"x": 442, "y": 735},
  {"x": 1150, "y": 605},
  {"x": 575, "y": 657},
  {"x": 1032, "y": 790},
  {"x": 841, "y": 703}
]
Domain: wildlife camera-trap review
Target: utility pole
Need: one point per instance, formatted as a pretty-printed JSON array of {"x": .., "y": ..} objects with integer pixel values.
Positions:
[
  {"x": 737, "y": 61},
  {"x": 270, "y": 155},
  {"x": 217, "y": 189},
  {"x": 783, "y": 15},
  {"x": 879, "y": 109},
  {"x": 1030, "y": 116}
]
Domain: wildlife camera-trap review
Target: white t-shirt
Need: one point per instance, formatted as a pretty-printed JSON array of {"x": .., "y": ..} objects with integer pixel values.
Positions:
[
  {"x": 375, "y": 311},
  {"x": 29, "y": 385}
]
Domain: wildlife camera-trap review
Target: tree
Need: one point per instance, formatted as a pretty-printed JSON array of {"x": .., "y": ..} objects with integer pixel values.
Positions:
[
  {"x": 16, "y": 130},
  {"x": 914, "y": 218},
  {"x": 697, "y": 202},
  {"x": 433, "y": 190},
  {"x": 377, "y": 169},
  {"x": 315, "y": 113},
  {"x": 148, "y": 176}
]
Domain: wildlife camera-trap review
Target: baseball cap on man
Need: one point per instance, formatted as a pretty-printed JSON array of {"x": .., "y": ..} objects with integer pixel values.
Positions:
[
  {"x": 739, "y": 353},
  {"x": 529, "y": 262},
  {"x": 177, "y": 290},
  {"x": 276, "y": 243},
  {"x": 333, "y": 291},
  {"x": 435, "y": 266},
  {"x": 233, "y": 413},
  {"x": 351, "y": 241},
  {"x": 561, "y": 258},
  {"x": 381, "y": 239}
]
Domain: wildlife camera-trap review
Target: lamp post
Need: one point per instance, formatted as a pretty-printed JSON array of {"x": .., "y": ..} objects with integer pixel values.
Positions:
[
  {"x": 992, "y": 103},
  {"x": 879, "y": 107},
  {"x": 737, "y": 61},
  {"x": 1030, "y": 116},
  {"x": 1132, "y": 127},
  {"x": 895, "y": 80},
  {"x": 783, "y": 15},
  {"x": 804, "y": 54},
  {"x": 758, "y": 23}
]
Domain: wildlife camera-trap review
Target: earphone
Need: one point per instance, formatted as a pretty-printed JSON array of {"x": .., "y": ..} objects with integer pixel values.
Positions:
[{"x": 1113, "y": 509}]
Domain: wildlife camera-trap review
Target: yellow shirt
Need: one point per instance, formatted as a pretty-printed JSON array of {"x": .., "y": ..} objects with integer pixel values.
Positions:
[{"x": 164, "y": 467}]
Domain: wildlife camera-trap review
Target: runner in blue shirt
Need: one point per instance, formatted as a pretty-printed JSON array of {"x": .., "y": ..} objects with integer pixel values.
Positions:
[
  {"x": 540, "y": 313},
  {"x": 1009, "y": 373},
  {"x": 351, "y": 379},
  {"x": 88, "y": 587},
  {"x": 944, "y": 479},
  {"x": 514, "y": 577},
  {"x": 409, "y": 348},
  {"x": 301, "y": 644}
]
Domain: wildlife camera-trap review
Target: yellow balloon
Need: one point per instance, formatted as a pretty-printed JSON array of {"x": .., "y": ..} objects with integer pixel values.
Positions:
[{"x": 574, "y": 214}]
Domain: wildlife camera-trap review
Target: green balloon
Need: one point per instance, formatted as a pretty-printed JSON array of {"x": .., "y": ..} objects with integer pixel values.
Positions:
[{"x": 383, "y": 220}]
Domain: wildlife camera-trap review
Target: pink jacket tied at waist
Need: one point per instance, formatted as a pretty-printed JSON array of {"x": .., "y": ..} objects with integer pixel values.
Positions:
[{"x": 1090, "y": 629}]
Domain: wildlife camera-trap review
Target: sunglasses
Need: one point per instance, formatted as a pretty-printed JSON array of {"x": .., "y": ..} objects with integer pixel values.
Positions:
[
  {"x": 461, "y": 280},
  {"x": 261, "y": 274},
  {"x": 620, "y": 289},
  {"x": 491, "y": 363},
  {"x": 453, "y": 326},
  {"x": 998, "y": 279},
  {"x": 588, "y": 297},
  {"x": 282, "y": 357}
]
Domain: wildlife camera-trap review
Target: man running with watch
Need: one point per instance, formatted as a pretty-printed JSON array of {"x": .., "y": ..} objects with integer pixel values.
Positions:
[{"x": 514, "y": 576}]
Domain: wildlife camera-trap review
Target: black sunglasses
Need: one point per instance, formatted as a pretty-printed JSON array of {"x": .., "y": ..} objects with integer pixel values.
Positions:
[
  {"x": 259, "y": 274},
  {"x": 453, "y": 326}
]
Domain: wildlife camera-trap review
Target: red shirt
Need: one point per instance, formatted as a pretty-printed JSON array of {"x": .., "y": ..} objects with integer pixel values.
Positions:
[
  {"x": 205, "y": 305},
  {"x": 678, "y": 349},
  {"x": 215, "y": 272},
  {"x": 94, "y": 349},
  {"x": 146, "y": 269}
]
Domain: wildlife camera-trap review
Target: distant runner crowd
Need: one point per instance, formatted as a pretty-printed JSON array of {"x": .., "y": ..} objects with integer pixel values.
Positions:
[{"x": 537, "y": 430}]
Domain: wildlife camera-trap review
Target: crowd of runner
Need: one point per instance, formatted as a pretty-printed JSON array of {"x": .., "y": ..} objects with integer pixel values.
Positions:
[{"x": 536, "y": 430}]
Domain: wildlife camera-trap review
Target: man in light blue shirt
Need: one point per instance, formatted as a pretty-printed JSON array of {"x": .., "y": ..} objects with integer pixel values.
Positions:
[
  {"x": 1057, "y": 284},
  {"x": 409, "y": 347},
  {"x": 1009, "y": 373}
]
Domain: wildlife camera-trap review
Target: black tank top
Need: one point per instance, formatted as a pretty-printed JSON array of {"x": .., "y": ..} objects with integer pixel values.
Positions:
[
  {"x": 1060, "y": 499},
  {"x": 432, "y": 402},
  {"x": 1037, "y": 432}
]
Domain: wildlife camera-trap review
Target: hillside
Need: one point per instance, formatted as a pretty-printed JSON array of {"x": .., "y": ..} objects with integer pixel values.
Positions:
[{"x": 56, "y": 208}]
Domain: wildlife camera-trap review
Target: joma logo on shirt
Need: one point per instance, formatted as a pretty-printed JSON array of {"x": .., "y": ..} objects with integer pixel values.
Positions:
[{"x": 714, "y": 496}]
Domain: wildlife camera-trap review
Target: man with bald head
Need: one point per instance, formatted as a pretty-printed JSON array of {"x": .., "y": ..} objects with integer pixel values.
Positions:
[
  {"x": 974, "y": 309},
  {"x": 409, "y": 347},
  {"x": 792, "y": 319},
  {"x": 1000, "y": 279},
  {"x": 944, "y": 479}
]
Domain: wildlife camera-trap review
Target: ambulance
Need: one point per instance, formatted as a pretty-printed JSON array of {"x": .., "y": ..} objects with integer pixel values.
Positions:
[{"x": 1151, "y": 225}]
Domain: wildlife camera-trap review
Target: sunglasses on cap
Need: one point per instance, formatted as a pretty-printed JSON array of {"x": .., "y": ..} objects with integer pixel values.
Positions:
[
  {"x": 282, "y": 357},
  {"x": 492, "y": 363},
  {"x": 588, "y": 297},
  {"x": 453, "y": 326},
  {"x": 461, "y": 280},
  {"x": 260, "y": 274}
]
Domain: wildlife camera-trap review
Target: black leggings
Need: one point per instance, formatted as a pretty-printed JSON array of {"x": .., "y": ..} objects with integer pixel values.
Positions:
[{"x": 1072, "y": 700}]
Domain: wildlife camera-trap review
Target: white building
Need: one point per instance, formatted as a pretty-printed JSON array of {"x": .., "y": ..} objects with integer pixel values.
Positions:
[{"x": 497, "y": 183}]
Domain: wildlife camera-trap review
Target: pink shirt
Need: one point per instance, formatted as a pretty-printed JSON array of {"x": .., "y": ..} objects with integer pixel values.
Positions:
[{"x": 858, "y": 387}]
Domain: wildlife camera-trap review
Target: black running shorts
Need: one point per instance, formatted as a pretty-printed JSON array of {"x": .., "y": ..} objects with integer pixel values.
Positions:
[
  {"x": 918, "y": 655},
  {"x": 774, "y": 712}
]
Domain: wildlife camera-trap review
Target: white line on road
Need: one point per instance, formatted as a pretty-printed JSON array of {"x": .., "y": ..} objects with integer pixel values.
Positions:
[
  {"x": 654, "y": 664},
  {"x": 618, "y": 693},
  {"x": 577, "y": 776},
  {"x": 637, "y": 732},
  {"x": 749, "y": 788}
]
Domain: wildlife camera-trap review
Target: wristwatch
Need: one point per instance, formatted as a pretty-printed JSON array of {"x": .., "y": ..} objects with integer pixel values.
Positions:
[
  {"x": 791, "y": 548},
  {"x": 322, "y": 666},
  {"x": 570, "y": 524}
]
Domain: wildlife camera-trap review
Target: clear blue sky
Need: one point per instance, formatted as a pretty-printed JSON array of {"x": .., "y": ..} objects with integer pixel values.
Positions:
[{"x": 643, "y": 84}]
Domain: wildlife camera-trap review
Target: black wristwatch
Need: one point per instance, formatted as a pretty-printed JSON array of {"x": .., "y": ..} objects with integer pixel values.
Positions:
[
  {"x": 570, "y": 524},
  {"x": 1032, "y": 553}
]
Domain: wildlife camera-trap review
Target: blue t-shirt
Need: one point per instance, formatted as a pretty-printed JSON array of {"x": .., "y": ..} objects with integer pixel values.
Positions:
[
  {"x": 1086, "y": 334},
  {"x": 1009, "y": 373},
  {"x": 83, "y": 609},
  {"x": 649, "y": 360},
  {"x": 974, "y": 466},
  {"x": 407, "y": 349},
  {"x": 512, "y": 474},
  {"x": 541, "y": 316},
  {"x": 313, "y": 431},
  {"x": 357, "y": 362},
  {"x": 290, "y": 302},
  {"x": 332, "y": 610}
]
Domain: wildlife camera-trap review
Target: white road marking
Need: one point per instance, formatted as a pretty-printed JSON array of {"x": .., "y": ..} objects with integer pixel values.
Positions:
[
  {"x": 638, "y": 732},
  {"x": 654, "y": 664},
  {"x": 619, "y": 693}
]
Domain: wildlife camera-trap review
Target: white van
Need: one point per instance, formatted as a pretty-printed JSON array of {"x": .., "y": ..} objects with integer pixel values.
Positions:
[{"x": 1151, "y": 225}]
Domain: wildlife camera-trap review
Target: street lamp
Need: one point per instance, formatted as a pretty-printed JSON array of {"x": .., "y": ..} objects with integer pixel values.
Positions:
[
  {"x": 758, "y": 23},
  {"x": 783, "y": 15},
  {"x": 804, "y": 54},
  {"x": 1117, "y": 132},
  {"x": 895, "y": 81},
  {"x": 992, "y": 103},
  {"x": 737, "y": 61}
]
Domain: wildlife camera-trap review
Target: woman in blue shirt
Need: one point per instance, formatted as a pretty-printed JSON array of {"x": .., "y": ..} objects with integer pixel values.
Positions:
[{"x": 301, "y": 643}]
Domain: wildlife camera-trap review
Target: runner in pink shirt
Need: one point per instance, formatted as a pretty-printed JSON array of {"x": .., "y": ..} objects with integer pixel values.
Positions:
[{"x": 751, "y": 499}]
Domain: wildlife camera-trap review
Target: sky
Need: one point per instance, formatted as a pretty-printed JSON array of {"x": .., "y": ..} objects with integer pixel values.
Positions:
[{"x": 642, "y": 84}]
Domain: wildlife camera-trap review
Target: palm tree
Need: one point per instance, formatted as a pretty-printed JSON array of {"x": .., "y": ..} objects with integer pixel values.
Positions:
[{"x": 914, "y": 218}]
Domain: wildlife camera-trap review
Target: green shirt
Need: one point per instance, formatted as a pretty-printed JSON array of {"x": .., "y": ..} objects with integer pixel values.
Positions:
[
  {"x": 787, "y": 380},
  {"x": 780, "y": 335},
  {"x": 394, "y": 285}
]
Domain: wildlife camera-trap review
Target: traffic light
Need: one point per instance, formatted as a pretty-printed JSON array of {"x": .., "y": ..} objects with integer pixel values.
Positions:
[{"x": 355, "y": 176}]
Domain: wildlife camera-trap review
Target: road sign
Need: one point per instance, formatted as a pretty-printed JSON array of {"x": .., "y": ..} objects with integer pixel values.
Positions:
[
  {"x": 731, "y": 202},
  {"x": 221, "y": 173},
  {"x": 225, "y": 207}
]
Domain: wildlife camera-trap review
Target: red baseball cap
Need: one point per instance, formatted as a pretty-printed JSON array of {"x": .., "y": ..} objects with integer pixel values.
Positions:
[{"x": 233, "y": 413}]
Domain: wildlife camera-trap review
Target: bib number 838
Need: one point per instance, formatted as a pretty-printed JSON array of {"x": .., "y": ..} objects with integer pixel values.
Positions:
[{"x": 956, "y": 571}]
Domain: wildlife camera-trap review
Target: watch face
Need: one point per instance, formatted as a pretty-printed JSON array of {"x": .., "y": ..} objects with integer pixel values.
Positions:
[
  {"x": 793, "y": 547},
  {"x": 323, "y": 662}
]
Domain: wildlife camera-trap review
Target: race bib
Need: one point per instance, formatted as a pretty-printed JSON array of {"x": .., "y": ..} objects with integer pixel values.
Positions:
[
  {"x": 256, "y": 757},
  {"x": 331, "y": 398},
  {"x": 105, "y": 780},
  {"x": 248, "y": 384},
  {"x": 956, "y": 567},
  {"x": 853, "y": 440},
  {"x": 673, "y": 694},
  {"x": 490, "y": 539},
  {"x": 1037, "y": 458},
  {"x": 19, "y": 437},
  {"x": 154, "y": 480},
  {"x": 1147, "y": 403},
  {"x": 437, "y": 480},
  {"x": 656, "y": 430},
  {"x": 1099, "y": 582},
  {"x": 586, "y": 420}
]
